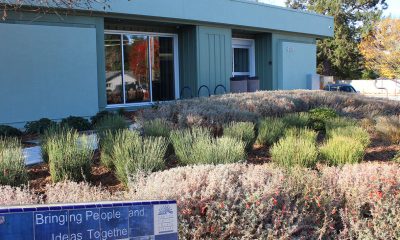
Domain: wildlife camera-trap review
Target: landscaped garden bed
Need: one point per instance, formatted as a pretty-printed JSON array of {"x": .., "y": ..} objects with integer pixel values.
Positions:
[{"x": 262, "y": 165}]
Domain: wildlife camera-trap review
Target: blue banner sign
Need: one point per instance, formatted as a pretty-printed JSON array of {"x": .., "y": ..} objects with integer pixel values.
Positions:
[{"x": 153, "y": 220}]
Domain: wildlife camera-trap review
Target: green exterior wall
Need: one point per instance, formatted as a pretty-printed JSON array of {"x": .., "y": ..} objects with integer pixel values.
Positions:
[
  {"x": 233, "y": 13},
  {"x": 50, "y": 67},
  {"x": 214, "y": 64},
  {"x": 188, "y": 61},
  {"x": 263, "y": 55},
  {"x": 54, "y": 65},
  {"x": 296, "y": 66}
]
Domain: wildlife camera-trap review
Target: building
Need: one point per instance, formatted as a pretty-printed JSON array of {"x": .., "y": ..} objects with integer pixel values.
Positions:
[{"x": 139, "y": 52}]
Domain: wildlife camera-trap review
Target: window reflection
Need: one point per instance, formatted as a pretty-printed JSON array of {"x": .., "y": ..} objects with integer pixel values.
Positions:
[
  {"x": 113, "y": 69},
  {"x": 162, "y": 61},
  {"x": 143, "y": 73},
  {"x": 136, "y": 66}
]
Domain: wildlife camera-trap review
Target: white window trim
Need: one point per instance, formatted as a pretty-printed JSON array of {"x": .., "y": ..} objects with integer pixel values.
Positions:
[
  {"x": 176, "y": 67},
  {"x": 249, "y": 44}
]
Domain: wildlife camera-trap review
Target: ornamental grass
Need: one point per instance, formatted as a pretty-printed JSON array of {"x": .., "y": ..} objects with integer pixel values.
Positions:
[
  {"x": 243, "y": 131},
  {"x": 12, "y": 163},
  {"x": 70, "y": 156},
  {"x": 133, "y": 153},
  {"x": 296, "y": 148}
]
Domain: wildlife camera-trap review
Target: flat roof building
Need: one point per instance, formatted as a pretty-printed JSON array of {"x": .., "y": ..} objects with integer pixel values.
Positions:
[{"x": 139, "y": 52}]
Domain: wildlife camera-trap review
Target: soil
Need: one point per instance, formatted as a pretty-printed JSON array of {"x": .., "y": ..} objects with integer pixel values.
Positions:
[{"x": 379, "y": 150}]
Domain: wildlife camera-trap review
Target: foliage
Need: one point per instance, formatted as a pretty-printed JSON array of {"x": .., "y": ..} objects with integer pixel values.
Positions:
[
  {"x": 110, "y": 123},
  {"x": 296, "y": 148},
  {"x": 46, "y": 138},
  {"x": 270, "y": 130},
  {"x": 356, "y": 133},
  {"x": 133, "y": 154},
  {"x": 157, "y": 128},
  {"x": 70, "y": 156},
  {"x": 339, "y": 122},
  {"x": 381, "y": 48},
  {"x": 17, "y": 196},
  {"x": 99, "y": 116},
  {"x": 183, "y": 141},
  {"x": 8, "y": 131},
  {"x": 197, "y": 146},
  {"x": 12, "y": 163},
  {"x": 339, "y": 150},
  {"x": 397, "y": 157},
  {"x": 389, "y": 127},
  {"x": 252, "y": 107},
  {"x": 242, "y": 201},
  {"x": 38, "y": 127},
  {"x": 107, "y": 142},
  {"x": 339, "y": 56},
  {"x": 218, "y": 151},
  {"x": 46, "y": 6},
  {"x": 319, "y": 116},
  {"x": 243, "y": 131},
  {"x": 73, "y": 192},
  {"x": 296, "y": 120},
  {"x": 77, "y": 123}
]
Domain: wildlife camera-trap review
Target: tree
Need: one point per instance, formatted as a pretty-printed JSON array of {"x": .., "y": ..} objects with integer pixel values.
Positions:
[
  {"x": 339, "y": 56},
  {"x": 47, "y": 5},
  {"x": 381, "y": 48}
]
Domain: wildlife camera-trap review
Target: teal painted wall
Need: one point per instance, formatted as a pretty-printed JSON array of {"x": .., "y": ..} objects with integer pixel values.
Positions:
[
  {"x": 48, "y": 68},
  {"x": 238, "y": 13},
  {"x": 282, "y": 64},
  {"x": 214, "y": 62},
  {"x": 263, "y": 55},
  {"x": 188, "y": 61}
]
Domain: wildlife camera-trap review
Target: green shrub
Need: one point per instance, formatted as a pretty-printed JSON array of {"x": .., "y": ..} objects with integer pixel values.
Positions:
[
  {"x": 8, "y": 131},
  {"x": 38, "y": 127},
  {"x": 397, "y": 157},
  {"x": 218, "y": 151},
  {"x": 296, "y": 120},
  {"x": 340, "y": 150},
  {"x": 77, "y": 123},
  {"x": 45, "y": 139},
  {"x": 319, "y": 116},
  {"x": 99, "y": 116},
  {"x": 389, "y": 127},
  {"x": 357, "y": 133},
  {"x": 107, "y": 142},
  {"x": 157, "y": 128},
  {"x": 270, "y": 130},
  {"x": 196, "y": 146},
  {"x": 243, "y": 131},
  {"x": 296, "y": 148},
  {"x": 70, "y": 156},
  {"x": 12, "y": 163},
  {"x": 183, "y": 140},
  {"x": 111, "y": 123},
  {"x": 339, "y": 122},
  {"x": 133, "y": 154}
]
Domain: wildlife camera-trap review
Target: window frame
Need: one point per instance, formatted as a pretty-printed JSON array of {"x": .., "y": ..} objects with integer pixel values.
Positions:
[
  {"x": 247, "y": 44},
  {"x": 176, "y": 66}
]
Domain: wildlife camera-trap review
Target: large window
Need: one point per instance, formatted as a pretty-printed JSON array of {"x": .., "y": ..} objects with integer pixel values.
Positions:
[
  {"x": 243, "y": 57},
  {"x": 140, "y": 68}
]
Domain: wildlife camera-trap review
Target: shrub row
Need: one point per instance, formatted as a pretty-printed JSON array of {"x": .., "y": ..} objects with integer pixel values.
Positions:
[
  {"x": 240, "y": 201},
  {"x": 197, "y": 146},
  {"x": 298, "y": 147},
  {"x": 12, "y": 163},
  {"x": 252, "y": 107},
  {"x": 41, "y": 125}
]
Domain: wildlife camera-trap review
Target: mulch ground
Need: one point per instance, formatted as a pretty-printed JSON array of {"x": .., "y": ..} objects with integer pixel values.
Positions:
[{"x": 379, "y": 150}]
